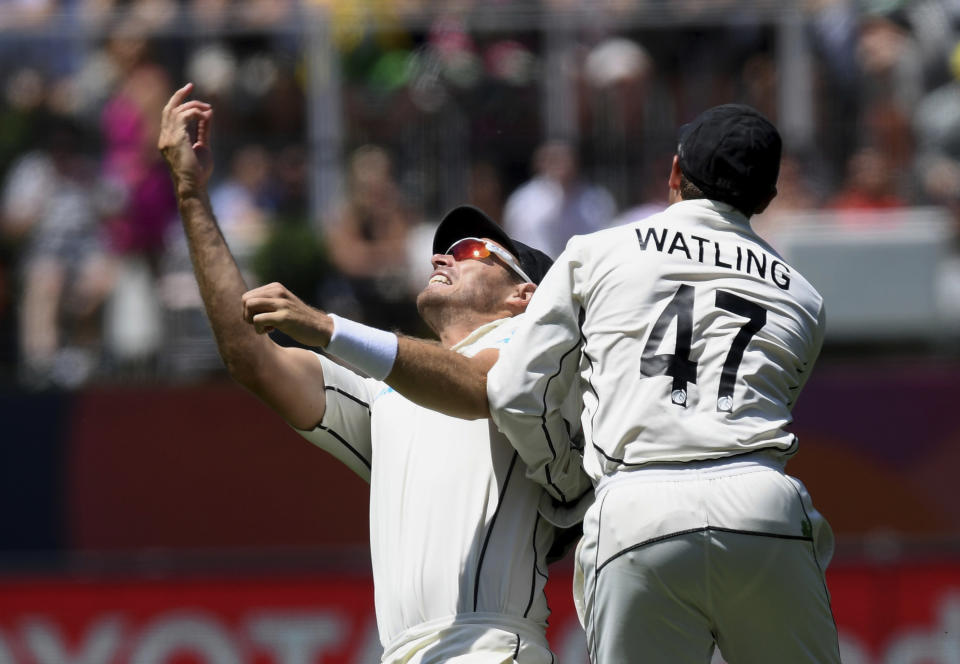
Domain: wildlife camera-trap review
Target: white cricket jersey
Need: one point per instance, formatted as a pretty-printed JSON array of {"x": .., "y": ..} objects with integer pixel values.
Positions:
[
  {"x": 687, "y": 335},
  {"x": 454, "y": 524}
]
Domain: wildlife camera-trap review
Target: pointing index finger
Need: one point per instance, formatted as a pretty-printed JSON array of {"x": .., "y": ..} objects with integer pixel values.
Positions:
[{"x": 179, "y": 96}]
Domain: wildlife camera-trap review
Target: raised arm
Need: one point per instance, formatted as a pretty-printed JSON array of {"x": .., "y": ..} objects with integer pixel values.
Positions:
[
  {"x": 290, "y": 380},
  {"x": 423, "y": 371}
]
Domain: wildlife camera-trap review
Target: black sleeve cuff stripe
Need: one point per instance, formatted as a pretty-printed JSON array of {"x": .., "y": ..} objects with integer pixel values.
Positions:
[
  {"x": 342, "y": 441},
  {"x": 349, "y": 396}
]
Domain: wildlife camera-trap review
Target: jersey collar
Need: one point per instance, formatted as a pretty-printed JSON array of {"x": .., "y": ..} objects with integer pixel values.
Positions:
[
  {"x": 725, "y": 210},
  {"x": 479, "y": 332}
]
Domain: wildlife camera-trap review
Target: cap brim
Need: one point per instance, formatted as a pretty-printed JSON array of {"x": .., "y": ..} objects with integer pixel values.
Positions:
[{"x": 468, "y": 221}]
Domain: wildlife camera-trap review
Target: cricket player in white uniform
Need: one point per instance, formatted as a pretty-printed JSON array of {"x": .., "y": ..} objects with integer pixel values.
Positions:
[
  {"x": 459, "y": 536},
  {"x": 689, "y": 339}
]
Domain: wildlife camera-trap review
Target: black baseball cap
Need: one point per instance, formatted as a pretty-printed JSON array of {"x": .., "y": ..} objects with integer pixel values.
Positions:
[
  {"x": 732, "y": 153},
  {"x": 469, "y": 221}
]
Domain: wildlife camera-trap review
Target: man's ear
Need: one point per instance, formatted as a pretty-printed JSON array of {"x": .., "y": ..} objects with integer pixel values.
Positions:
[
  {"x": 520, "y": 296},
  {"x": 673, "y": 181}
]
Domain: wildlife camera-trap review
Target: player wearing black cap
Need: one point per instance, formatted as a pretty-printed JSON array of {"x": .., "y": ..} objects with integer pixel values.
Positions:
[
  {"x": 688, "y": 339},
  {"x": 459, "y": 537}
]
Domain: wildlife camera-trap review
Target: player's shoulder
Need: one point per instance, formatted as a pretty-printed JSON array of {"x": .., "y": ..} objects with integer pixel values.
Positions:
[{"x": 794, "y": 282}]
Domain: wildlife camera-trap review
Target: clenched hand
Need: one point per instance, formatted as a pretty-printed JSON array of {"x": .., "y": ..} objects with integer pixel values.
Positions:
[{"x": 274, "y": 307}]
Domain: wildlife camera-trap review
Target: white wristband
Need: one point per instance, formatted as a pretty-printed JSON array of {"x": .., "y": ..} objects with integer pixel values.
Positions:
[{"x": 371, "y": 350}]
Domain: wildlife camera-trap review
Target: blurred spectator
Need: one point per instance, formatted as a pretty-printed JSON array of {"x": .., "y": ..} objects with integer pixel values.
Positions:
[
  {"x": 51, "y": 205},
  {"x": 890, "y": 83},
  {"x": 20, "y": 113},
  {"x": 144, "y": 205},
  {"x": 485, "y": 188},
  {"x": 795, "y": 193},
  {"x": 292, "y": 251},
  {"x": 869, "y": 185},
  {"x": 628, "y": 117},
  {"x": 264, "y": 13},
  {"x": 889, "y": 60},
  {"x": 24, "y": 14},
  {"x": 833, "y": 29},
  {"x": 367, "y": 244},
  {"x": 244, "y": 203},
  {"x": 936, "y": 124},
  {"x": 556, "y": 203},
  {"x": 652, "y": 196},
  {"x": 130, "y": 127}
]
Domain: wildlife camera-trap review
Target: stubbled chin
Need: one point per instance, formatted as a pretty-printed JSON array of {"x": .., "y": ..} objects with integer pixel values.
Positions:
[
  {"x": 431, "y": 304},
  {"x": 434, "y": 293}
]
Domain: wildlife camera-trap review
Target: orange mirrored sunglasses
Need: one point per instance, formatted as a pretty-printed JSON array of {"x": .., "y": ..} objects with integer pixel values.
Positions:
[{"x": 476, "y": 248}]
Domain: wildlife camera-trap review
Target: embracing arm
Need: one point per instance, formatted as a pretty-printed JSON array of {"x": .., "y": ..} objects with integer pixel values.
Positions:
[
  {"x": 290, "y": 380},
  {"x": 441, "y": 379}
]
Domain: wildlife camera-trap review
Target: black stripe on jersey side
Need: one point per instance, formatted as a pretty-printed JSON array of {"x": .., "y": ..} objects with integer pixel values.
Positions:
[
  {"x": 789, "y": 451},
  {"x": 533, "y": 576},
  {"x": 493, "y": 522},
  {"x": 342, "y": 440},
  {"x": 543, "y": 414},
  {"x": 349, "y": 396},
  {"x": 516, "y": 651},
  {"x": 706, "y": 529}
]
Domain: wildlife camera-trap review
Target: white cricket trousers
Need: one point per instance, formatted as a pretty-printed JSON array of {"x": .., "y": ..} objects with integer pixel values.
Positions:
[{"x": 677, "y": 559}]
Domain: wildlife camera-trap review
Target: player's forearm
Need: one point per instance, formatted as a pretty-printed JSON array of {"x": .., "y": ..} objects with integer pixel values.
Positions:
[
  {"x": 440, "y": 379},
  {"x": 221, "y": 286}
]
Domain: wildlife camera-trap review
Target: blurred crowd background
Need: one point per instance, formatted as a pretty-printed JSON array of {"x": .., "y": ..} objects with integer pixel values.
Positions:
[{"x": 343, "y": 130}]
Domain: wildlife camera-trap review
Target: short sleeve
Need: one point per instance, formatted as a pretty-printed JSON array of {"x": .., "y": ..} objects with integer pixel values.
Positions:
[{"x": 344, "y": 430}]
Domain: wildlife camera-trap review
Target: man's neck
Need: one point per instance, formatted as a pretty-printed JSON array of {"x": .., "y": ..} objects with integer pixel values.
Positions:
[{"x": 455, "y": 332}]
